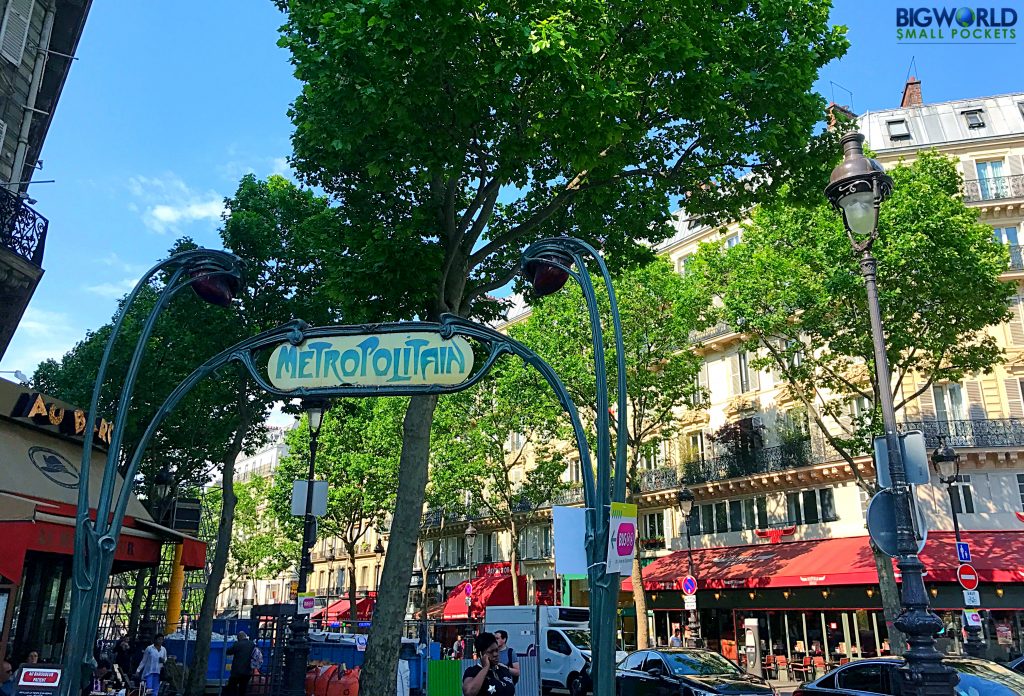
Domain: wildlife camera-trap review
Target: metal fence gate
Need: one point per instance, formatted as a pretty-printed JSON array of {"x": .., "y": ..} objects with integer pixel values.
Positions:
[{"x": 271, "y": 628}]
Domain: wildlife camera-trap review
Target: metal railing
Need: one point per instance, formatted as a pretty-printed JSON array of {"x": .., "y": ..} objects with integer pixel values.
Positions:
[
  {"x": 718, "y": 330},
  {"x": 1016, "y": 257},
  {"x": 980, "y": 432},
  {"x": 22, "y": 229},
  {"x": 994, "y": 188}
]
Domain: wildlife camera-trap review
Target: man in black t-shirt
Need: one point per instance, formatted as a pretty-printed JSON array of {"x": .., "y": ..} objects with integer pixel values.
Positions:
[{"x": 490, "y": 677}]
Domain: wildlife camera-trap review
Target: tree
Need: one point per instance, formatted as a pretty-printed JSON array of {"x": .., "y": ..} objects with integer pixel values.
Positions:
[
  {"x": 453, "y": 135},
  {"x": 493, "y": 451},
  {"x": 259, "y": 548},
  {"x": 658, "y": 311},
  {"x": 794, "y": 288},
  {"x": 358, "y": 457}
]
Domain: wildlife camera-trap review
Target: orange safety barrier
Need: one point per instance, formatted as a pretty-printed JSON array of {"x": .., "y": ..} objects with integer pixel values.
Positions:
[{"x": 347, "y": 684}]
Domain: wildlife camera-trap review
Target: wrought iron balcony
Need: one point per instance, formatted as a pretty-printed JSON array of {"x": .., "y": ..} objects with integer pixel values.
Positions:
[
  {"x": 717, "y": 331},
  {"x": 569, "y": 496},
  {"x": 22, "y": 229},
  {"x": 1016, "y": 257},
  {"x": 981, "y": 432},
  {"x": 994, "y": 188}
]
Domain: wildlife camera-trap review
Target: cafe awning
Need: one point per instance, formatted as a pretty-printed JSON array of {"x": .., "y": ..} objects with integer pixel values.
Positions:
[
  {"x": 489, "y": 590},
  {"x": 998, "y": 557},
  {"x": 340, "y": 610}
]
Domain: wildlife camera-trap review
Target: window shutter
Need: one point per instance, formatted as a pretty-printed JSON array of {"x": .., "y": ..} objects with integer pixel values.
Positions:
[
  {"x": 1016, "y": 164},
  {"x": 755, "y": 380},
  {"x": 975, "y": 400},
  {"x": 14, "y": 32},
  {"x": 970, "y": 169},
  {"x": 1013, "y": 399},
  {"x": 3, "y": 133},
  {"x": 927, "y": 402},
  {"x": 1016, "y": 322},
  {"x": 734, "y": 373}
]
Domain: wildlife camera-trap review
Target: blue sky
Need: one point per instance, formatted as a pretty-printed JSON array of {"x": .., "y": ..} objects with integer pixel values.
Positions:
[{"x": 172, "y": 101}]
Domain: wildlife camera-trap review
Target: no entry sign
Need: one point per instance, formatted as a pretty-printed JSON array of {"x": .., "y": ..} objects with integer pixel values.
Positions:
[
  {"x": 967, "y": 576},
  {"x": 689, "y": 585}
]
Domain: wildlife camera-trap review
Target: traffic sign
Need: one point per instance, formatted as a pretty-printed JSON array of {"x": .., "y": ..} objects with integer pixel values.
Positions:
[
  {"x": 882, "y": 524},
  {"x": 689, "y": 585},
  {"x": 967, "y": 576},
  {"x": 689, "y": 602},
  {"x": 915, "y": 459},
  {"x": 963, "y": 552},
  {"x": 972, "y": 598},
  {"x": 972, "y": 617}
]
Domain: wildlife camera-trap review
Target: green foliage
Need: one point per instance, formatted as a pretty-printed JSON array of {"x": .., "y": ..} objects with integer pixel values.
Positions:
[
  {"x": 455, "y": 133},
  {"x": 357, "y": 455},
  {"x": 794, "y": 287},
  {"x": 259, "y": 548},
  {"x": 658, "y": 312}
]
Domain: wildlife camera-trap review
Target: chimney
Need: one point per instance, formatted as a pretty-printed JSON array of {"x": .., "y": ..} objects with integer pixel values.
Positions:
[
  {"x": 838, "y": 116},
  {"x": 912, "y": 93}
]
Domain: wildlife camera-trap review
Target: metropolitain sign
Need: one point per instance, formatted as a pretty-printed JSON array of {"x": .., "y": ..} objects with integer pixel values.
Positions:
[{"x": 415, "y": 358}]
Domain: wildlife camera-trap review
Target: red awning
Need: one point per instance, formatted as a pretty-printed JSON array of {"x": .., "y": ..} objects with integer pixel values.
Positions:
[
  {"x": 998, "y": 557},
  {"x": 489, "y": 590},
  {"x": 340, "y": 610}
]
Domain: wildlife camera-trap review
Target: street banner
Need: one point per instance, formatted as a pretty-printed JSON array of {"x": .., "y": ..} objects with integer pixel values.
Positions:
[
  {"x": 621, "y": 538},
  {"x": 306, "y": 602},
  {"x": 570, "y": 524}
]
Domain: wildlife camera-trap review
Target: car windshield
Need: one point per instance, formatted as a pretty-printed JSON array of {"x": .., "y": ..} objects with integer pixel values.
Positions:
[
  {"x": 581, "y": 639},
  {"x": 986, "y": 679},
  {"x": 689, "y": 664}
]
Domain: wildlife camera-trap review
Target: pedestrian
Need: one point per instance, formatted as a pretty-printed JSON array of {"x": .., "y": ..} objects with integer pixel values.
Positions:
[
  {"x": 458, "y": 647},
  {"x": 153, "y": 659},
  {"x": 676, "y": 641},
  {"x": 507, "y": 655},
  {"x": 6, "y": 678},
  {"x": 99, "y": 674},
  {"x": 123, "y": 656},
  {"x": 490, "y": 677},
  {"x": 32, "y": 658},
  {"x": 241, "y": 665}
]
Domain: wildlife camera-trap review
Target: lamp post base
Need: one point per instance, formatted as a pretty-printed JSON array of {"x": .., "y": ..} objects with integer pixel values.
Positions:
[
  {"x": 975, "y": 646},
  {"x": 297, "y": 658}
]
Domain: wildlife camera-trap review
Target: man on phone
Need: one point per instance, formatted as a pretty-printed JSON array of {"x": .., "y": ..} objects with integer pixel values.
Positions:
[{"x": 490, "y": 677}]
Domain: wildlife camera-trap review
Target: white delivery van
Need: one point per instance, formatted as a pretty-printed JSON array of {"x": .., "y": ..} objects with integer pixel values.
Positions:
[{"x": 558, "y": 636}]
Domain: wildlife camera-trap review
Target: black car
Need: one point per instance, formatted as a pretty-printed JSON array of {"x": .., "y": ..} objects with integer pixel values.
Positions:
[
  {"x": 684, "y": 672},
  {"x": 873, "y": 677}
]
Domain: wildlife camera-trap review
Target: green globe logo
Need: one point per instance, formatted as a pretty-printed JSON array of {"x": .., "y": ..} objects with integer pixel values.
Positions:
[{"x": 965, "y": 16}]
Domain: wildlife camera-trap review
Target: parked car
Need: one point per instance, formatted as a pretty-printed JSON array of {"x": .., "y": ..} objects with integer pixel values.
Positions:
[
  {"x": 685, "y": 672},
  {"x": 1017, "y": 665},
  {"x": 878, "y": 676}
]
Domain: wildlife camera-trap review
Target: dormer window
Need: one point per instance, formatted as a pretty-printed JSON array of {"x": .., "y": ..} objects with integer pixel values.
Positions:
[
  {"x": 975, "y": 118},
  {"x": 898, "y": 130}
]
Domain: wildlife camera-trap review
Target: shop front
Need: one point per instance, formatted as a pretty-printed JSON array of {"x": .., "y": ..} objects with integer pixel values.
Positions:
[{"x": 821, "y": 597}]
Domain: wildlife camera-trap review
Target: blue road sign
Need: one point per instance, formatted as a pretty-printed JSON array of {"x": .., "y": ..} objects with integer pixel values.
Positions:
[
  {"x": 689, "y": 585},
  {"x": 963, "y": 552}
]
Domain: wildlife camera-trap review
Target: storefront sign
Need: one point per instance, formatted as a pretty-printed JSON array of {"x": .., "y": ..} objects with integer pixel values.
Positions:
[
  {"x": 34, "y": 407},
  {"x": 38, "y": 680},
  {"x": 500, "y": 568},
  {"x": 621, "y": 538},
  {"x": 416, "y": 358}
]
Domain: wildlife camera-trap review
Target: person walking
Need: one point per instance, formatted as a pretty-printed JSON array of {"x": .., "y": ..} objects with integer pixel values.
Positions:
[
  {"x": 676, "y": 641},
  {"x": 507, "y": 655},
  {"x": 489, "y": 677},
  {"x": 6, "y": 678},
  {"x": 152, "y": 663},
  {"x": 458, "y": 647},
  {"x": 241, "y": 665}
]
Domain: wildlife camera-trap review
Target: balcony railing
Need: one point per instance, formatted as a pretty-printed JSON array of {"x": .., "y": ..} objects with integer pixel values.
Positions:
[
  {"x": 982, "y": 432},
  {"x": 994, "y": 188},
  {"x": 718, "y": 330},
  {"x": 22, "y": 229}
]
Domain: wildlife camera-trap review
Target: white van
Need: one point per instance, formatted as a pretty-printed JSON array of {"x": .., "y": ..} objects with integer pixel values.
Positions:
[{"x": 559, "y": 636}]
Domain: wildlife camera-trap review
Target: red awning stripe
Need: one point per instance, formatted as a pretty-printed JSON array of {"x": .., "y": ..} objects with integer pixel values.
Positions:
[
  {"x": 489, "y": 590},
  {"x": 998, "y": 556},
  {"x": 340, "y": 610}
]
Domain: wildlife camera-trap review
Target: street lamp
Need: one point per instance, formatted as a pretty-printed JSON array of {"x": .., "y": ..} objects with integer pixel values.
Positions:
[
  {"x": 547, "y": 265},
  {"x": 857, "y": 187},
  {"x": 947, "y": 465},
  {"x": 298, "y": 654},
  {"x": 470, "y": 535},
  {"x": 685, "y": 498},
  {"x": 215, "y": 276},
  {"x": 379, "y": 550}
]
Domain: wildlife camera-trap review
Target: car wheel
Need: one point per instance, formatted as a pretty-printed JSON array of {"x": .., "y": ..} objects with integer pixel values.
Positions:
[{"x": 577, "y": 686}]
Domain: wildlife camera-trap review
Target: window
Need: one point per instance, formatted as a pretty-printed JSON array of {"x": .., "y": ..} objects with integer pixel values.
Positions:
[
  {"x": 736, "y": 515},
  {"x": 558, "y": 643},
  {"x": 743, "y": 368},
  {"x": 732, "y": 240},
  {"x": 573, "y": 473},
  {"x": 869, "y": 678},
  {"x": 963, "y": 499},
  {"x": 898, "y": 130},
  {"x": 692, "y": 446},
  {"x": 707, "y": 518},
  {"x": 655, "y": 662},
  {"x": 634, "y": 662},
  {"x": 795, "y": 350},
  {"x": 949, "y": 401},
  {"x": 1008, "y": 236},
  {"x": 721, "y": 517},
  {"x": 811, "y": 507},
  {"x": 991, "y": 182},
  {"x": 654, "y": 525},
  {"x": 975, "y": 118},
  {"x": 755, "y": 512},
  {"x": 461, "y": 544},
  {"x": 545, "y": 541},
  {"x": 861, "y": 407},
  {"x": 517, "y": 440},
  {"x": 683, "y": 263},
  {"x": 655, "y": 456},
  {"x": 1020, "y": 489}
]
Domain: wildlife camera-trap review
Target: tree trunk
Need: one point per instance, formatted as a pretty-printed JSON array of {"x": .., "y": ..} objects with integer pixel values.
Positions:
[
  {"x": 204, "y": 626},
  {"x": 890, "y": 594},
  {"x": 513, "y": 557},
  {"x": 643, "y": 637},
  {"x": 379, "y": 668},
  {"x": 137, "y": 594},
  {"x": 350, "y": 548},
  {"x": 147, "y": 611}
]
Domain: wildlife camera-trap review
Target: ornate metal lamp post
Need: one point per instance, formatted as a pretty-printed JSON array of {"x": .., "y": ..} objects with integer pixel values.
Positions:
[
  {"x": 685, "y": 499},
  {"x": 215, "y": 276},
  {"x": 298, "y": 644},
  {"x": 857, "y": 188},
  {"x": 548, "y": 265},
  {"x": 470, "y": 535},
  {"x": 947, "y": 465},
  {"x": 379, "y": 550}
]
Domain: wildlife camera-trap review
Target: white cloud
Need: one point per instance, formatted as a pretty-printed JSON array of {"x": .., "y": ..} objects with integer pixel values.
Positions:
[
  {"x": 113, "y": 291},
  {"x": 169, "y": 203},
  {"x": 42, "y": 334},
  {"x": 280, "y": 165}
]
